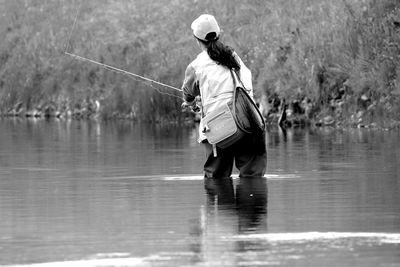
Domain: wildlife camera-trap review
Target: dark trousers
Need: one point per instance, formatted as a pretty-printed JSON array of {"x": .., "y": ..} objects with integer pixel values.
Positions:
[{"x": 249, "y": 155}]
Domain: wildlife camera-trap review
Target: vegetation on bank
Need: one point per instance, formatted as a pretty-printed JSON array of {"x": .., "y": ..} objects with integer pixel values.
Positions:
[{"x": 313, "y": 61}]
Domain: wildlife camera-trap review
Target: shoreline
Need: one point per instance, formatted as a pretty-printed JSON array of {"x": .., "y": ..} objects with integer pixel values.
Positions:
[{"x": 290, "y": 122}]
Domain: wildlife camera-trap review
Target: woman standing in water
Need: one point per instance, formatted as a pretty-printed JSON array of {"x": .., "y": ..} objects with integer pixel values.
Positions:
[{"x": 209, "y": 76}]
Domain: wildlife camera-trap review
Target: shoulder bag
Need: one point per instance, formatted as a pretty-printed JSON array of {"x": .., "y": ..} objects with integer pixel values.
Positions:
[{"x": 229, "y": 123}]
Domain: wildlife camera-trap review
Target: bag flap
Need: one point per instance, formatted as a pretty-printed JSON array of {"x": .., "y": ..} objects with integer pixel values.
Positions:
[{"x": 219, "y": 125}]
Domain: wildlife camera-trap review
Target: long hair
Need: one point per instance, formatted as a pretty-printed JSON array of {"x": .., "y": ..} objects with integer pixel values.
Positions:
[{"x": 220, "y": 53}]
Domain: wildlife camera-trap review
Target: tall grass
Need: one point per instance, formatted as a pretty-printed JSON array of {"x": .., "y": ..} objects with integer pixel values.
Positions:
[{"x": 315, "y": 50}]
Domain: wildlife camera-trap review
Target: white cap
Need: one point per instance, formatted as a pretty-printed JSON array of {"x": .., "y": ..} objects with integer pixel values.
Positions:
[{"x": 204, "y": 25}]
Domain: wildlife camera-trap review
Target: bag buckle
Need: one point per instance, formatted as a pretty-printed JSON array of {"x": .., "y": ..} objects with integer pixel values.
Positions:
[{"x": 206, "y": 129}]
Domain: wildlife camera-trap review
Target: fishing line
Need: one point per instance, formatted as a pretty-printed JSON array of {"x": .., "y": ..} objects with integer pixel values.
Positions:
[
  {"x": 73, "y": 27},
  {"x": 133, "y": 76}
]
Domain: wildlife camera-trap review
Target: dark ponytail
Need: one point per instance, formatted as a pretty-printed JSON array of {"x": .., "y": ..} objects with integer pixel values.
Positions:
[{"x": 220, "y": 53}]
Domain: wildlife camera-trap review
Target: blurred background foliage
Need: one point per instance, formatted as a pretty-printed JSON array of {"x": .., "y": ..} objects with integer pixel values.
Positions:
[{"x": 317, "y": 59}]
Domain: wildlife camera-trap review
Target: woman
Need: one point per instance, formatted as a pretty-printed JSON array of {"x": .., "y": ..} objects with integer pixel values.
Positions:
[{"x": 209, "y": 77}]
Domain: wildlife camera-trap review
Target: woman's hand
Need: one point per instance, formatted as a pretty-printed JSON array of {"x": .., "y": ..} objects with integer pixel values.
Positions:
[{"x": 190, "y": 105}]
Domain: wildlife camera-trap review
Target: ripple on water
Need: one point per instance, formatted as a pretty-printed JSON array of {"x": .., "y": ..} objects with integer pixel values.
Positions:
[{"x": 362, "y": 237}]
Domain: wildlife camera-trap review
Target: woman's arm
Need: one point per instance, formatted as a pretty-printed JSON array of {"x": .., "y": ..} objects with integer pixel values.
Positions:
[{"x": 190, "y": 85}]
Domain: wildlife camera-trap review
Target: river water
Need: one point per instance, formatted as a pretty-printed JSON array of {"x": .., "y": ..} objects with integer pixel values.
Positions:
[{"x": 78, "y": 193}]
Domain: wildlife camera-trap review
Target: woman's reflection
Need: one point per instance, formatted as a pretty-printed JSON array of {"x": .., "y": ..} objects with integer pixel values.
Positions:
[
  {"x": 251, "y": 204},
  {"x": 228, "y": 214},
  {"x": 220, "y": 193}
]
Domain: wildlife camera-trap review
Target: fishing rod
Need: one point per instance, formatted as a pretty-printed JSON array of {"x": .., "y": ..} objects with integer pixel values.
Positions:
[
  {"x": 121, "y": 71},
  {"x": 109, "y": 67}
]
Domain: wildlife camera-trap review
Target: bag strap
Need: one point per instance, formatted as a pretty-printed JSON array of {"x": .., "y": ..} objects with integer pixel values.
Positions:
[
  {"x": 234, "y": 92},
  {"x": 236, "y": 77}
]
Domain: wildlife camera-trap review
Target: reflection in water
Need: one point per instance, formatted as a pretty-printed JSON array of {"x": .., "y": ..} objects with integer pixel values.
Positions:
[
  {"x": 251, "y": 199},
  {"x": 118, "y": 193},
  {"x": 230, "y": 212},
  {"x": 249, "y": 203}
]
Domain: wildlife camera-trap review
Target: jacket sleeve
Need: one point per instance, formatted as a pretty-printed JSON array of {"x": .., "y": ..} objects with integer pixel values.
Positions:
[
  {"x": 246, "y": 77},
  {"x": 190, "y": 85}
]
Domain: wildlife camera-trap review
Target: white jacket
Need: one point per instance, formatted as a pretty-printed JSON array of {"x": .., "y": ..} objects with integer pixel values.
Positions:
[{"x": 213, "y": 82}]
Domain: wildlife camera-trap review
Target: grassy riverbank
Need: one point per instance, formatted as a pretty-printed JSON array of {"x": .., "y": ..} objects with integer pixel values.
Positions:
[{"x": 324, "y": 62}]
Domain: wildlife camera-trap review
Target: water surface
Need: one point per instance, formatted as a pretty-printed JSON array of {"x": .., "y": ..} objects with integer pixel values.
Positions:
[{"x": 120, "y": 194}]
